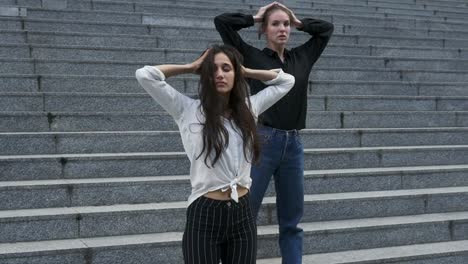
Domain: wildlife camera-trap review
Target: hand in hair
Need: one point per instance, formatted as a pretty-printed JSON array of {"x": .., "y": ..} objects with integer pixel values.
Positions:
[
  {"x": 175, "y": 69},
  {"x": 195, "y": 66},
  {"x": 261, "y": 11},
  {"x": 296, "y": 22},
  {"x": 262, "y": 75}
]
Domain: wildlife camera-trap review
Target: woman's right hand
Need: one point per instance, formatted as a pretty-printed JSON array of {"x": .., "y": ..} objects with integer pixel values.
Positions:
[
  {"x": 261, "y": 12},
  {"x": 262, "y": 75},
  {"x": 195, "y": 66}
]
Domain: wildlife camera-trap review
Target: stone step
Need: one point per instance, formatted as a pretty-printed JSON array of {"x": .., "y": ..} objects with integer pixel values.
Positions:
[
  {"x": 408, "y": 5},
  {"x": 145, "y": 121},
  {"x": 153, "y": 141},
  {"x": 397, "y": 21},
  {"x": 94, "y": 39},
  {"x": 304, "y": 10},
  {"x": 336, "y": 39},
  {"x": 437, "y": 7},
  {"x": 206, "y": 21},
  {"x": 387, "y": 88},
  {"x": 459, "y": 4},
  {"x": 347, "y": 29},
  {"x": 128, "y": 84},
  {"x": 84, "y": 83},
  {"x": 71, "y": 3},
  {"x": 66, "y": 166},
  {"x": 127, "y": 68},
  {"x": 419, "y": 38},
  {"x": 115, "y": 220},
  {"x": 80, "y": 26},
  {"x": 210, "y": 8},
  {"x": 331, "y": 59},
  {"x": 12, "y": 11},
  {"x": 371, "y": 7},
  {"x": 343, "y": 34},
  {"x": 20, "y": 51},
  {"x": 327, "y": 236},
  {"x": 157, "y": 189},
  {"x": 452, "y": 14},
  {"x": 103, "y": 50},
  {"x": 16, "y": 66},
  {"x": 94, "y": 16},
  {"x": 12, "y": 36},
  {"x": 202, "y": 16},
  {"x": 394, "y": 5},
  {"x": 454, "y": 252},
  {"x": 115, "y": 52},
  {"x": 367, "y": 74},
  {"x": 7, "y": 2},
  {"x": 142, "y": 102},
  {"x": 314, "y": 7}
]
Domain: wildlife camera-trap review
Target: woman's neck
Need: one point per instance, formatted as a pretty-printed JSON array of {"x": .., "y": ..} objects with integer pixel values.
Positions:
[{"x": 226, "y": 109}]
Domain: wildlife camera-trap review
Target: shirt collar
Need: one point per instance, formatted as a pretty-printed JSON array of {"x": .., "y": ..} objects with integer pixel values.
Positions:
[{"x": 272, "y": 53}]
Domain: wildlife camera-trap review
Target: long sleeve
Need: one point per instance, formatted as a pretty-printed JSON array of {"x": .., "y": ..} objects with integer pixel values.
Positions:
[
  {"x": 153, "y": 81},
  {"x": 321, "y": 32},
  {"x": 228, "y": 24},
  {"x": 277, "y": 88}
]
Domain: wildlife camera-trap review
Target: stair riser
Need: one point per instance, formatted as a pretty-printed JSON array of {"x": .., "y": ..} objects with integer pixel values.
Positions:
[
  {"x": 325, "y": 241},
  {"x": 41, "y": 122},
  {"x": 129, "y": 84},
  {"x": 144, "y": 103},
  {"x": 69, "y": 195},
  {"x": 170, "y": 220},
  {"x": 121, "y": 143},
  {"x": 183, "y": 57},
  {"x": 170, "y": 33},
  {"x": 95, "y": 167}
]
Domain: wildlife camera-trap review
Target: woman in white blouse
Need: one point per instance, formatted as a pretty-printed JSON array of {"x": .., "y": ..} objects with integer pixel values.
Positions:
[{"x": 218, "y": 133}]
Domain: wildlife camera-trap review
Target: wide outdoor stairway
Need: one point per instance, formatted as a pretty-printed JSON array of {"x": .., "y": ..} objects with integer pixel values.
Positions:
[{"x": 92, "y": 171}]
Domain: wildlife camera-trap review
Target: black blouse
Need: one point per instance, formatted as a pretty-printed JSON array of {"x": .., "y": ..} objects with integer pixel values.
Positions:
[{"x": 290, "y": 112}]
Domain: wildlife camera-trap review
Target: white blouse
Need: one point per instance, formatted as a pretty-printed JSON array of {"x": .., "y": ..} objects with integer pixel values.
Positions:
[{"x": 232, "y": 168}]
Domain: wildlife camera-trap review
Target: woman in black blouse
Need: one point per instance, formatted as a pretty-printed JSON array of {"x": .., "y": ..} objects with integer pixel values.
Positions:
[{"x": 282, "y": 151}]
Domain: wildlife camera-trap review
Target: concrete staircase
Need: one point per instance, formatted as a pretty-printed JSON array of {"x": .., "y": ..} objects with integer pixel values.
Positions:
[{"x": 92, "y": 170}]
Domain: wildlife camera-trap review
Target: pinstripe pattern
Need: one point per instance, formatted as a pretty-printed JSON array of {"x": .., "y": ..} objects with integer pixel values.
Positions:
[{"x": 220, "y": 230}]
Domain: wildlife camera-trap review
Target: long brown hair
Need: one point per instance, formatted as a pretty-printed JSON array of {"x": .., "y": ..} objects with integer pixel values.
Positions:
[
  {"x": 266, "y": 17},
  {"x": 215, "y": 135}
]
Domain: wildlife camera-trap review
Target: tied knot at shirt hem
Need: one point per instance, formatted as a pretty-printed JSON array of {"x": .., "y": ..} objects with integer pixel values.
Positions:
[{"x": 233, "y": 187}]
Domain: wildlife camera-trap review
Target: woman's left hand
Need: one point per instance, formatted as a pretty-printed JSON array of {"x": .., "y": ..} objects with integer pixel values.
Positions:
[
  {"x": 296, "y": 22},
  {"x": 244, "y": 71}
]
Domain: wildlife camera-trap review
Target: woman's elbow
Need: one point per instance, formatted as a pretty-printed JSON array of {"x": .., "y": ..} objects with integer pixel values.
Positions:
[
  {"x": 218, "y": 21},
  {"x": 290, "y": 81},
  {"x": 139, "y": 74}
]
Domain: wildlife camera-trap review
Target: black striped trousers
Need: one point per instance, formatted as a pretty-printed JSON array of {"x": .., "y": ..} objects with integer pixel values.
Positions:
[{"x": 220, "y": 230}]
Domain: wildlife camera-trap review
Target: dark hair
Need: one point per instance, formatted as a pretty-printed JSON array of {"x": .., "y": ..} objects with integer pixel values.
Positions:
[
  {"x": 215, "y": 135},
  {"x": 266, "y": 17}
]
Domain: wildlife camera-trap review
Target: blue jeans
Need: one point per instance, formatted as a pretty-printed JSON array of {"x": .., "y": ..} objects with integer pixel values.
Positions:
[{"x": 282, "y": 156}]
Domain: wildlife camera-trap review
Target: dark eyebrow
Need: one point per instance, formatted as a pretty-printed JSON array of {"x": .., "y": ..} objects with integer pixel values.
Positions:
[{"x": 287, "y": 20}]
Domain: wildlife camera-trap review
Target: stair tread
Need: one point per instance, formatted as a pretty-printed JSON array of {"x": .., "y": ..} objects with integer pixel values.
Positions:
[{"x": 379, "y": 254}]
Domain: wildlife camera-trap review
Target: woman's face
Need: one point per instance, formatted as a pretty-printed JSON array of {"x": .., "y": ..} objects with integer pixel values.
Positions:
[
  {"x": 278, "y": 28},
  {"x": 224, "y": 73}
]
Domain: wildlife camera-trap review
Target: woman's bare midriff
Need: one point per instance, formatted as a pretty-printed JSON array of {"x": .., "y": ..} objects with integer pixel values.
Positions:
[{"x": 220, "y": 195}]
